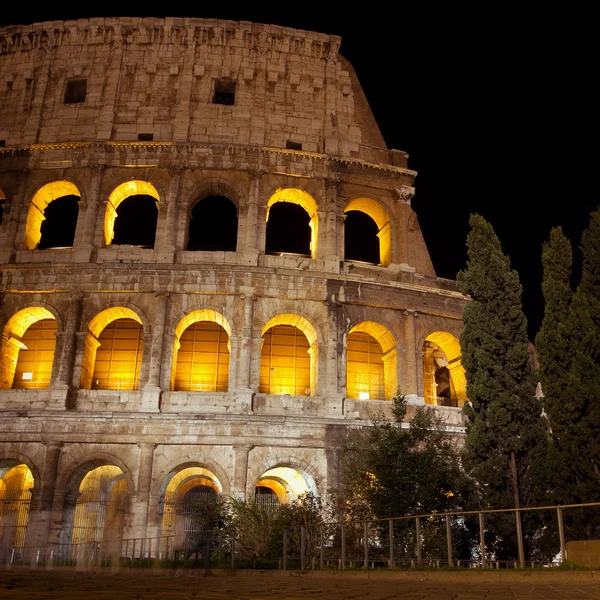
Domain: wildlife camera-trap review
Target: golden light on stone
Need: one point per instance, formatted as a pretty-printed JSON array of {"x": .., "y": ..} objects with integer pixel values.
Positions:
[
  {"x": 16, "y": 484},
  {"x": 37, "y": 207},
  {"x": 287, "y": 483},
  {"x": 379, "y": 214},
  {"x": 190, "y": 477}
]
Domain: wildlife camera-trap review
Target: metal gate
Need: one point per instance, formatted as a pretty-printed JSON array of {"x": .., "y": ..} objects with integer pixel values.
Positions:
[
  {"x": 186, "y": 519},
  {"x": 14, "y": 516}
]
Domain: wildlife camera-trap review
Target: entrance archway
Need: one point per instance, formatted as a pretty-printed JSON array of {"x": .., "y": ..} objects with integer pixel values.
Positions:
[
  {"x": 282, "y": 485},
  {"x": 444, "y": 379}
]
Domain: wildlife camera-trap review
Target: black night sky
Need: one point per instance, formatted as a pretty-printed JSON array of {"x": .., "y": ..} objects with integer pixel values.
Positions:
[{"x": 499, "y": 112}]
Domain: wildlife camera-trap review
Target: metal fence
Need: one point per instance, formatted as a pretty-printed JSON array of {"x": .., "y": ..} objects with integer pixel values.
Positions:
[
  {"x": 463, "y": 539},
  {"x": 14, "y": 516}
]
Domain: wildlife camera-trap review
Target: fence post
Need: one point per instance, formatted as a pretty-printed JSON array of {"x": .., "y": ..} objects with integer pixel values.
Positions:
[
  {"x": 482, "y": 540},
  {"x": 343, "y": 546},
  {"x": 449, "y": 539},
  {"x": 366, "y": 545},
  {"x": 418, "y": 540},
  {"x": 520, "y": 538},
  {"x": 322, "y": 561},
  {"x": 391, "y": 533},
  {"x": 285, "y": 549},
  {"x": 561, "y": 534},
  {"x": 302, "y": 548}
]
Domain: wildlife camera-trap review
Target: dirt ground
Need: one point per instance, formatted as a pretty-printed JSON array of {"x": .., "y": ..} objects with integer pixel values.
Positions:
[{"x": 193, "y": 585}]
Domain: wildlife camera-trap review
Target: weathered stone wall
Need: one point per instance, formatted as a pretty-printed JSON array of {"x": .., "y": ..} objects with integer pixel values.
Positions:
[{"x": 155, "y": 76}]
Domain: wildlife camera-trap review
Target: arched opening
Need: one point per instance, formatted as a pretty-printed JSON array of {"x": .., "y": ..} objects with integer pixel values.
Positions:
[
  {"x": 28, "y": 344},
  {"x": 371, "y": 363},
  {"x": 292, "y": 223},
  {"x": 131, "y": 215},
  {"x": 95, "y": 507},
  {"x": 201, "y": 354},
  {"x": 213, "y": 225},
  {"x": 16, "y": 483},
  {"x": 368, "y": 237},
  {"x": 444, "y": 379},
  {"x": 2, "y": 206},
  {"x": 187, "y": 506},
  {"x": 50, "y": 226},
  {"x": 288, "y": 357},
  {"x": 281, "y": 485},
  {"x": 360, "y": 238},
  {"x": 114, "y": 346}
]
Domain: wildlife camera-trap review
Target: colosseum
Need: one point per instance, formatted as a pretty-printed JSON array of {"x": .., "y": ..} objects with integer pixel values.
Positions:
[{"x": 209, "y": 267}]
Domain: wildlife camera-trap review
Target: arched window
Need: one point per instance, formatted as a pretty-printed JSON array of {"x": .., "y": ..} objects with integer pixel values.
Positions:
[
  {"x": 131, "y": 215},
  {"x": 292, "y": 223},
  {"x": 285, "y": 362},
  {"x": 371, "y": 362},
  {"x": 444, "y": 379},
  {"x": 28, "y": 345},
  {"x": 365, "y": 376},
  {"x": 213, "y": 225},
  {"x": 119, "y": 356},
  {"x": 114, "y": 346},
  {"x": 360, "y": 238},
  {"x": 51, "y": 226},
  {"x": 282, "y": 485},
  {"x": 2, "y": 205},
  {"x": 95, "y": 508},
  {"x": 362, "y": 233},
  {"x": 16, "y": 483}
]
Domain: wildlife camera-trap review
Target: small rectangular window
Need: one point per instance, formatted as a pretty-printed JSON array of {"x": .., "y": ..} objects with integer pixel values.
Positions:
[
  {"x": 145, "y": 137},
  {"x": 224, "y": 92},
  {"x": 293, "y": 145},
  {"x": 2, "y": 143},
  {"x": 76, "y": 90}
]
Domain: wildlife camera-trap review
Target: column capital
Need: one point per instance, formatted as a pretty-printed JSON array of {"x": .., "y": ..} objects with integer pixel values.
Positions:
[
  {"x": 239, "y": 449},
  {"x": 254, "y": 174},
  {"x": 147, "y": 446},
  {"x": 404, "y": 194},
  {"x": 97, "y": 169},
  {"x": 176, "y": 170}
]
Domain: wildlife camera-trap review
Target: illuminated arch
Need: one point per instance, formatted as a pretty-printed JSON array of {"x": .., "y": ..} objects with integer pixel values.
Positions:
[
  {"x": 442, "y": 368},
  {"x": 95, "y": 507},
  {"x": 286, "y": 483},
  {"x": 186, "y": 492},
  {"x": 15, "y": 348},
  {"x": 307, "y": 202},
  {"x": 92, "y": 343},
  {"x": 37, "y": 208},
  {"x": 389, "y": 356},
  {"x": 293, "y": 364},
  {"x": 16, "y": 483},
  {"x": 213, "y": 372},
  {"x": 122, "y": 192},
  {"x": 381, "y": 217}
]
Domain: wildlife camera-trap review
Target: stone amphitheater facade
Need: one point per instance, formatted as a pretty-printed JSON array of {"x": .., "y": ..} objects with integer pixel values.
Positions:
[{"x": 290, "y": 347}]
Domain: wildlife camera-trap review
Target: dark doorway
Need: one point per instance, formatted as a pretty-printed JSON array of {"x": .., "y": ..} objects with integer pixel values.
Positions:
[
  {"x": 360, "y": 238},
  {"x": 213, "y": 225},
  {"x": 135, "y": 224},
  {"x": 58, "y": 228},
  {"x": 288, "y": 229}
]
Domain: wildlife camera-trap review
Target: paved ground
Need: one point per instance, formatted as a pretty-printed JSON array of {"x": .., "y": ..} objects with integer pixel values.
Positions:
[{"x": 129, "y": 585}]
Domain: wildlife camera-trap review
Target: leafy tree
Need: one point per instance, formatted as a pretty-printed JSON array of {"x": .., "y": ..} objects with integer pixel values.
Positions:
[
  {"x": 506, "y": 444},
  {"x": 392, "y": 469}
]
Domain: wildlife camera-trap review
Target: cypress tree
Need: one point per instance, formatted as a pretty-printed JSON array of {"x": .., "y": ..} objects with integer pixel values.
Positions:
[{"x": 505, "y": 445}]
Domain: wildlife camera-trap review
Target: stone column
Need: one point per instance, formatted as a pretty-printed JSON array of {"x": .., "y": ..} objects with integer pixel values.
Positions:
[
  {"x": 245, "y": 365},
  {"x": 66, "y": 358},
  {"x": 168, "y": 227},
  {"x": 12, "y": 218},
  {"x": 84, "y": 246},
  {"x": 250, "y": 243},
  {"x": 403, "y": 197},
  {"x": 151, "y": 388},
  {"x": 411, "y": 364},
  {"x": 81, "y": 346},
  {"x": 140, "y": 500},
  {"x": 41, "y": 508},
  {"x": 240, "y": 477},
  {"x": 331, "y": 244}
]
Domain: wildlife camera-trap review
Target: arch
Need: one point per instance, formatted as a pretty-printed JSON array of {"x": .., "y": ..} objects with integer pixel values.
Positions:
[
  {"x": 117, "y": 196},
  {"x": 2, "y": 205},
  {"x": 389, "y": 359},
  {"x": 40, "y": 357},
  {"x": 296, "y": 360},
  {"x": 16, "y": 483},
  {"x": 129, "y": 346},
  {"x": 203, "y": 364},
  {"x": 163, "y": 479},
  {"x": 304, "y": 200},
  {"x": 188, "y": 494},
  {"x": 94, "y": 509},
  {"x": 213, "y": 225},
  {"x": 444, "y": 378},
  {"x": 286, "y": 482},
  {"x": 380, "y": 215},
  {"x": 37, "y": 208}
]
